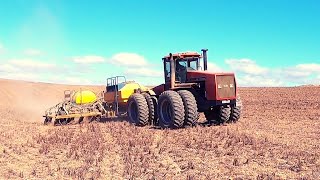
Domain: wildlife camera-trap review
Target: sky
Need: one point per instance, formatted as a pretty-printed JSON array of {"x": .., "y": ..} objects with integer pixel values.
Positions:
[{"x": 265, "y": 43}]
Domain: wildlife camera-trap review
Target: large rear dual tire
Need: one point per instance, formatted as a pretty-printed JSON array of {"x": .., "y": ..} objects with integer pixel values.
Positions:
[
  {"x": 141, "y": 109},
  {"x": 172, "y": 110},
  {"x": 177, "y": 109},
  {"x": 137, "y": 110}
]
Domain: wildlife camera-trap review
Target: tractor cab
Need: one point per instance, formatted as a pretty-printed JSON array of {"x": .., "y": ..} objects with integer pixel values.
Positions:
[
  {"x": 178, "y": 65},
  {"x": 183, "y": 62}
]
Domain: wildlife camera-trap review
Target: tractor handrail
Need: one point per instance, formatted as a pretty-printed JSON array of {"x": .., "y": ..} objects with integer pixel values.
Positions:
[
  {"x": 111, "y": 81},
  {"x": 114, "y": 81}
]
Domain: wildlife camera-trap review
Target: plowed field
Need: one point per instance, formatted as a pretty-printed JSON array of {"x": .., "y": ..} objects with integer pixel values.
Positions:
[{"x": 277, "y": 137}]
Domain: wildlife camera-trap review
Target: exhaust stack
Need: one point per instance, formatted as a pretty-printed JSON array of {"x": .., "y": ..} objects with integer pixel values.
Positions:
[{"x": 205, "y": 59}]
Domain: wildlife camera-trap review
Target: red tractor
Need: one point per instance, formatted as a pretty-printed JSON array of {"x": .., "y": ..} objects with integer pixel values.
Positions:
[{"x": 187, "y": 91}]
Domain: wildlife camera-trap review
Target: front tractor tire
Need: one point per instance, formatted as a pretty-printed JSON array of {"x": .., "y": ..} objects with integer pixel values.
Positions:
[
  {"x": 137, "y": 110},
  {"x": 170, "y": 110},
  {"x": 190, "y": 108},
  {"x": 236, "y": 111},
  {"x": 218, "y": 115}
]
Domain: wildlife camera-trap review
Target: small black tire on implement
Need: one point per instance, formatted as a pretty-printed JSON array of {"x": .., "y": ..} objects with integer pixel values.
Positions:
[
  {"x": 137, "y": 110},
  {"x": 236, "y": 111},
  {"x": 190, "y": 107},
  {"x": 152, "y": 107},
  {"x": 47, "y": 120},
  {"x": 170, "y": 110}
]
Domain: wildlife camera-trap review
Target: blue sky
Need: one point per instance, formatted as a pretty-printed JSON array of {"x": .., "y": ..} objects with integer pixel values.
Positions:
[{"x": 266, "y": 43}]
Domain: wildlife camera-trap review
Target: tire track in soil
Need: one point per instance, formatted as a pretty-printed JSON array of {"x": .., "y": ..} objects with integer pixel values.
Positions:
[{"x": 112, "y": 165}]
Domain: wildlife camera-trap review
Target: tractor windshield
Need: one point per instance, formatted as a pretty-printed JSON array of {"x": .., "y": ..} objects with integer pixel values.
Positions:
[
  {"x": 189, "y": 63},
  {"x": 181, "y": 67},
  {"x": 193, "y": 64}
]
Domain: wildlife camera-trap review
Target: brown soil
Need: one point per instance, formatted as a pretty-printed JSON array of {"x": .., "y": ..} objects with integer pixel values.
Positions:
[{"x": 276, "y": 138}]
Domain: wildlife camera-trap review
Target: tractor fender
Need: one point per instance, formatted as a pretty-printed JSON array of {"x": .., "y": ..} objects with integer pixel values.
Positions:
[{"x": 151, "y": 92}]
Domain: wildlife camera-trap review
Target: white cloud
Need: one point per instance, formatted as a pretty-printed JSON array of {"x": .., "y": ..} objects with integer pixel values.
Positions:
[
  {"x": 32, "y": 52},
  {"x": 246, "y": 66},
  {"x": 128, "y": 59},
  {"x": 258, "y": 81},
  {"x": 28, "y": 70},
  {"x": 32, "y": 66},
  {"x": 213, "y": 67},
  {"x": 294, "y": 72},
  {"x": 249, "y": 73},
  {"x": 29, "y": 63},
  {"x": 2, "y": 49},
  {"x": 8, "y": 68},
  {"x": 76, "y": 81},
  {"x": 300, "y": 74},
  {"x": 144, "y": 72},
  {"x": 313, "y": 67},
  {"x": 20, "y": 76},
  {"x": 88, "y": 59}
]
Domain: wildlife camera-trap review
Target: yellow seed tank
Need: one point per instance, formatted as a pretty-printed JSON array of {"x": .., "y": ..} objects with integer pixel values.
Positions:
[{"x": 84, "y": 97}]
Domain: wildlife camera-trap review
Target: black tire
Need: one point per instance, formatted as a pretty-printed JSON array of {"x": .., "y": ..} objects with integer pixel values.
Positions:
[
  {"x": 63, "y": 121},
  {"x": 47, "y": 120},
  {"x": 224, "y": 114},
  {"x": 156, "y": 117},
  {"x": 236, "y": 111},
  {"x": 190, "y": 107},
  {"x": 151, "y": 101},
  {"x": 218, "y": 115},
  {"x": 137, "y": 110},
  {"x": 170, "y": 110}
]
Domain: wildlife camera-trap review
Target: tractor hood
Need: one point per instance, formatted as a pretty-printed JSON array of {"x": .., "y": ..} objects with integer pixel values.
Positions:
[{"x": 219, "y": 86}]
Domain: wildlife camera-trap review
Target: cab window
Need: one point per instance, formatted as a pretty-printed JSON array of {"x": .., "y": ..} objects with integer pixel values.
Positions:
[
  {"x": 167, "y": 71},
  {"x": 193, "y": 65}
]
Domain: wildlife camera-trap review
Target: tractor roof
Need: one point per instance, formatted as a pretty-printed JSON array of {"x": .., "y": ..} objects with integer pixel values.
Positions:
[{"x": 184, "y": 55}]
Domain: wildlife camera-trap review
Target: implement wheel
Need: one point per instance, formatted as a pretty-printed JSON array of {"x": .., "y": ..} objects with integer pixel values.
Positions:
[
  {"x": 47, "y": 120},
  {"x": 137, "y": 110},
  {"x": 170, "y": 110}
]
